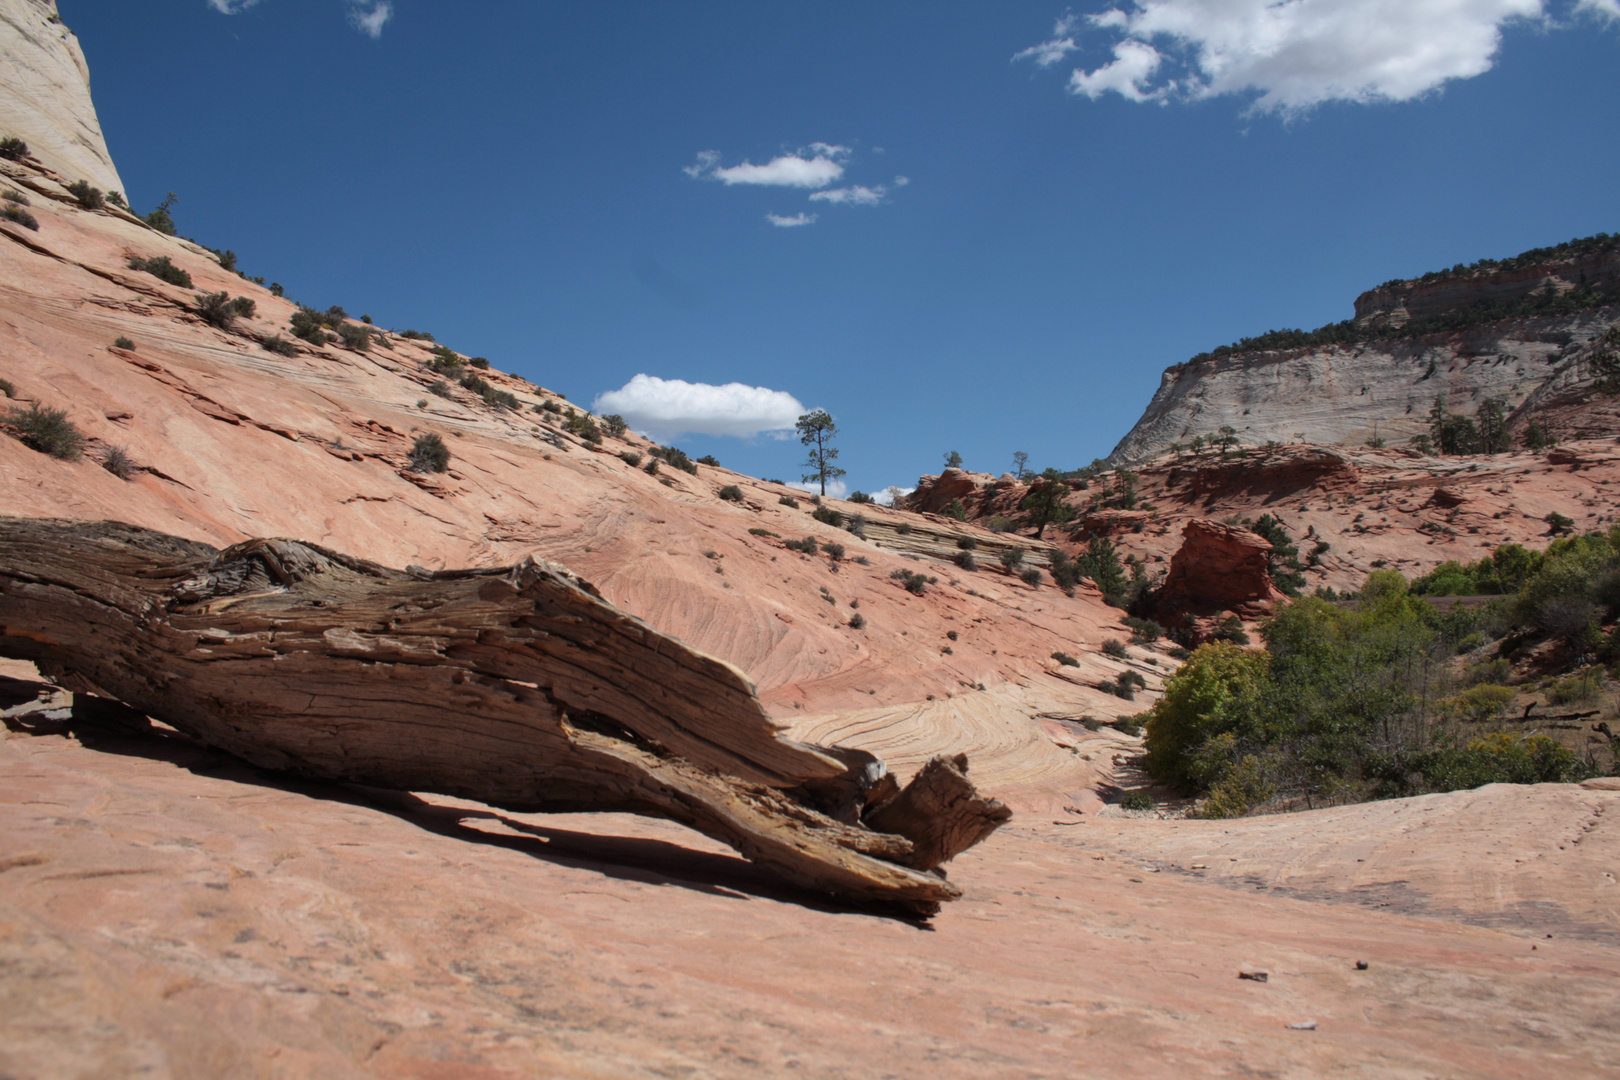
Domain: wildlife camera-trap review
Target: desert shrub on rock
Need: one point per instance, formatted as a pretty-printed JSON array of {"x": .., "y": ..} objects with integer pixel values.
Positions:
[
  {"x": 161, "y": 268},
  {"x": 731, "y": 493},
  {"x": 89, "y": 198},
  {"x": 354, "y": 337},
  {"x": 47, "y": 430},
  {"x": 1012, "y": 557},
  {"x": 788, "y": 500},
  {"x": 429, "y": 454},
  {"x": 116, "y": 460},
  {"x": 18, "y": 216},
  {"x": 13, "y": 148},
  {"x": 221, "y": 311},
  {"x": 279, "y": 345}
]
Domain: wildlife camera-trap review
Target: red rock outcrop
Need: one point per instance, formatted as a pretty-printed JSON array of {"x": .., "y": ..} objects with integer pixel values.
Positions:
[
  {"x": 1218, "y": 568},
  {"x": 934, "y": 493}
]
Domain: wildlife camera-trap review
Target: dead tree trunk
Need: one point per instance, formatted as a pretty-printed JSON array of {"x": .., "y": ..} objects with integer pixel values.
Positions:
[{"x": 518, "y": 687}]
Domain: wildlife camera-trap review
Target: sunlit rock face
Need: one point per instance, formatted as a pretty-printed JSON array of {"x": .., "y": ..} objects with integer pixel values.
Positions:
[{"x": 46, "y": 99}]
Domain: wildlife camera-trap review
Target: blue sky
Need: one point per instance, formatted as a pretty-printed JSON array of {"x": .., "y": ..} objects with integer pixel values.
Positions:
[{"x": 1015, "y": 215}]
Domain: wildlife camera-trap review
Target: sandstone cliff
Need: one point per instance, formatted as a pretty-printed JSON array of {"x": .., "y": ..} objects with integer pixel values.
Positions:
[
  {"x": 1379, "y": 380},
  {"x": 46, "y": 99}
]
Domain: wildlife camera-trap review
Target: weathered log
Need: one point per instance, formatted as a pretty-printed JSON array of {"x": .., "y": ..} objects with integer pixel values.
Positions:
[{"x": 517, "y": 686}]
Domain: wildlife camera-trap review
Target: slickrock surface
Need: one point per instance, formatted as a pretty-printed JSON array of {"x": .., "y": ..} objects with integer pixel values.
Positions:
[
  {"x": 236, "y": 441},
  {"x": 166, "y": 913},
  {"x": 1350, "y": 394},
  {"x": 46, "y": 102}
]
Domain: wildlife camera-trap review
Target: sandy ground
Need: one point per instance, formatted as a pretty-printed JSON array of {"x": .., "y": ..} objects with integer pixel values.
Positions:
[{"x": 167, "y": 912}]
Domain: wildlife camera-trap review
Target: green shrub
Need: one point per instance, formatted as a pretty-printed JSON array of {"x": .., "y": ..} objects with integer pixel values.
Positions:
[
  {"x": 7, "y": 388},
  {"x": 440, "y": 388},
  {"x": 651, "y": 468},
  {"x": 857, "y": 621},
  {"x": 1031, "y": 577},
  {"x": 1115, "y": 648},
  {"x": 788, "y": 500},
  {"x": 123, "y": 343},
  {"x": 279, "y": 345},
  {"x": 354, "y": 337},
  {"x": 12, "y": 195},
  {"x": 429, "y": 454},
  {"x": 1558, "y": 524},
  {"x": 709, "y": 459},
  {"x": 582, "y": 426},
  {"x": 834, "y": 550},
  {"x": 116, "y": 460},
  {"x": 472, "y": 382},
  {"x": 220, "y": 311},
  {"x": 47, "y": 430},
  {"x": 13, "y": 148},
  {"x": 760, "y": 532},
  {"x": 1479, "y": 703},
  {"x": 416, "y": 335},
  {"x": 966, "y": 561},
  {"x": 161, "y": 268},
  {"x": 1143, "y": 631},
  {"x": 904, "y": 528},
  {"x": 956, "y": 509},
  {"x": 479, "y": 362},
  {"x": 1137, "y": 800},
  {"x": 1065, "y": 659},
  {"x": 856, "y": 525},
  {"x": 549, "y": 406},
  {"x": 117, "y": 199},
  {"x": 808, "y": 545},
  {"x": 952, "y": 634},
  {"x": 1577, "y": 689},
  {"x": 914, "y": 582},
  {"x": 160, "y": 219},
  {"x": 615, "y": 424},
  {"x": 861, "y": 497},
  {"x": 1012, "y": 558},
  {"x": 444, "y": 361},
  {"x": 1498, "y": 759},
  {"x": 1498, "y": 669},
  {"x": 828, "y": 516},
  {"x": 630, "y": 458},
  {"x": 1001, "y": 524},
  {"x": 967, "y": 543},
  {"x": 676, "y": 458},
  {"x": 18, "y": 216},
  {"x": 731, "y": 493},
  {"x": 89, "y": 198}
]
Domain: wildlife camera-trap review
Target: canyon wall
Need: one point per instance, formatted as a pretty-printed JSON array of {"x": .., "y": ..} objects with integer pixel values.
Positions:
[{"x": 47, "y": 94}]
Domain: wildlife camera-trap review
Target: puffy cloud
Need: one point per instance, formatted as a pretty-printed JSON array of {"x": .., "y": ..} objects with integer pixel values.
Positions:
[
  {"x": 370, "y": 16},
  {"x": 231, "y": 7},
  {"x": 801, "y": 218},
  {"x": 1133, "y": 67},
  {"x": 901, "y": 181},
  {"x": 665, "y": 408},
  {"x": 1295, "y": 54},
  {"x": 1050, "y": 52},
  {"x": 854, "y": 195},
  {"x": 836, "y": 489},
  {"x": 1605, "y": 9},
  {"x": 815, "y": 166}
]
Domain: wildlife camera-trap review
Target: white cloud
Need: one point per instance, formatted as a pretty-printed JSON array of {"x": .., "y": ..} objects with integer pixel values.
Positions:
[
  {"x": 789, "y": 170},
  {"x": 1050, "y": 52},
  {"x": 793, "y": 222},
  {"x": 1291, "y": 55},
  {"x": 706, "y": 160},
  {"x": 231, "y": 7},
  {"x": 836, "y": 489},
  {"x": 1133, "y": 67},
  {"x": 901, "y": 181},
  {"x": 1605, "y": 9},
  {"x": 814, "y": 166},
  {"x": 855, "y": 195},
  {"x": 370, "y": 16},
  {"x": 665, "y": 408}
]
